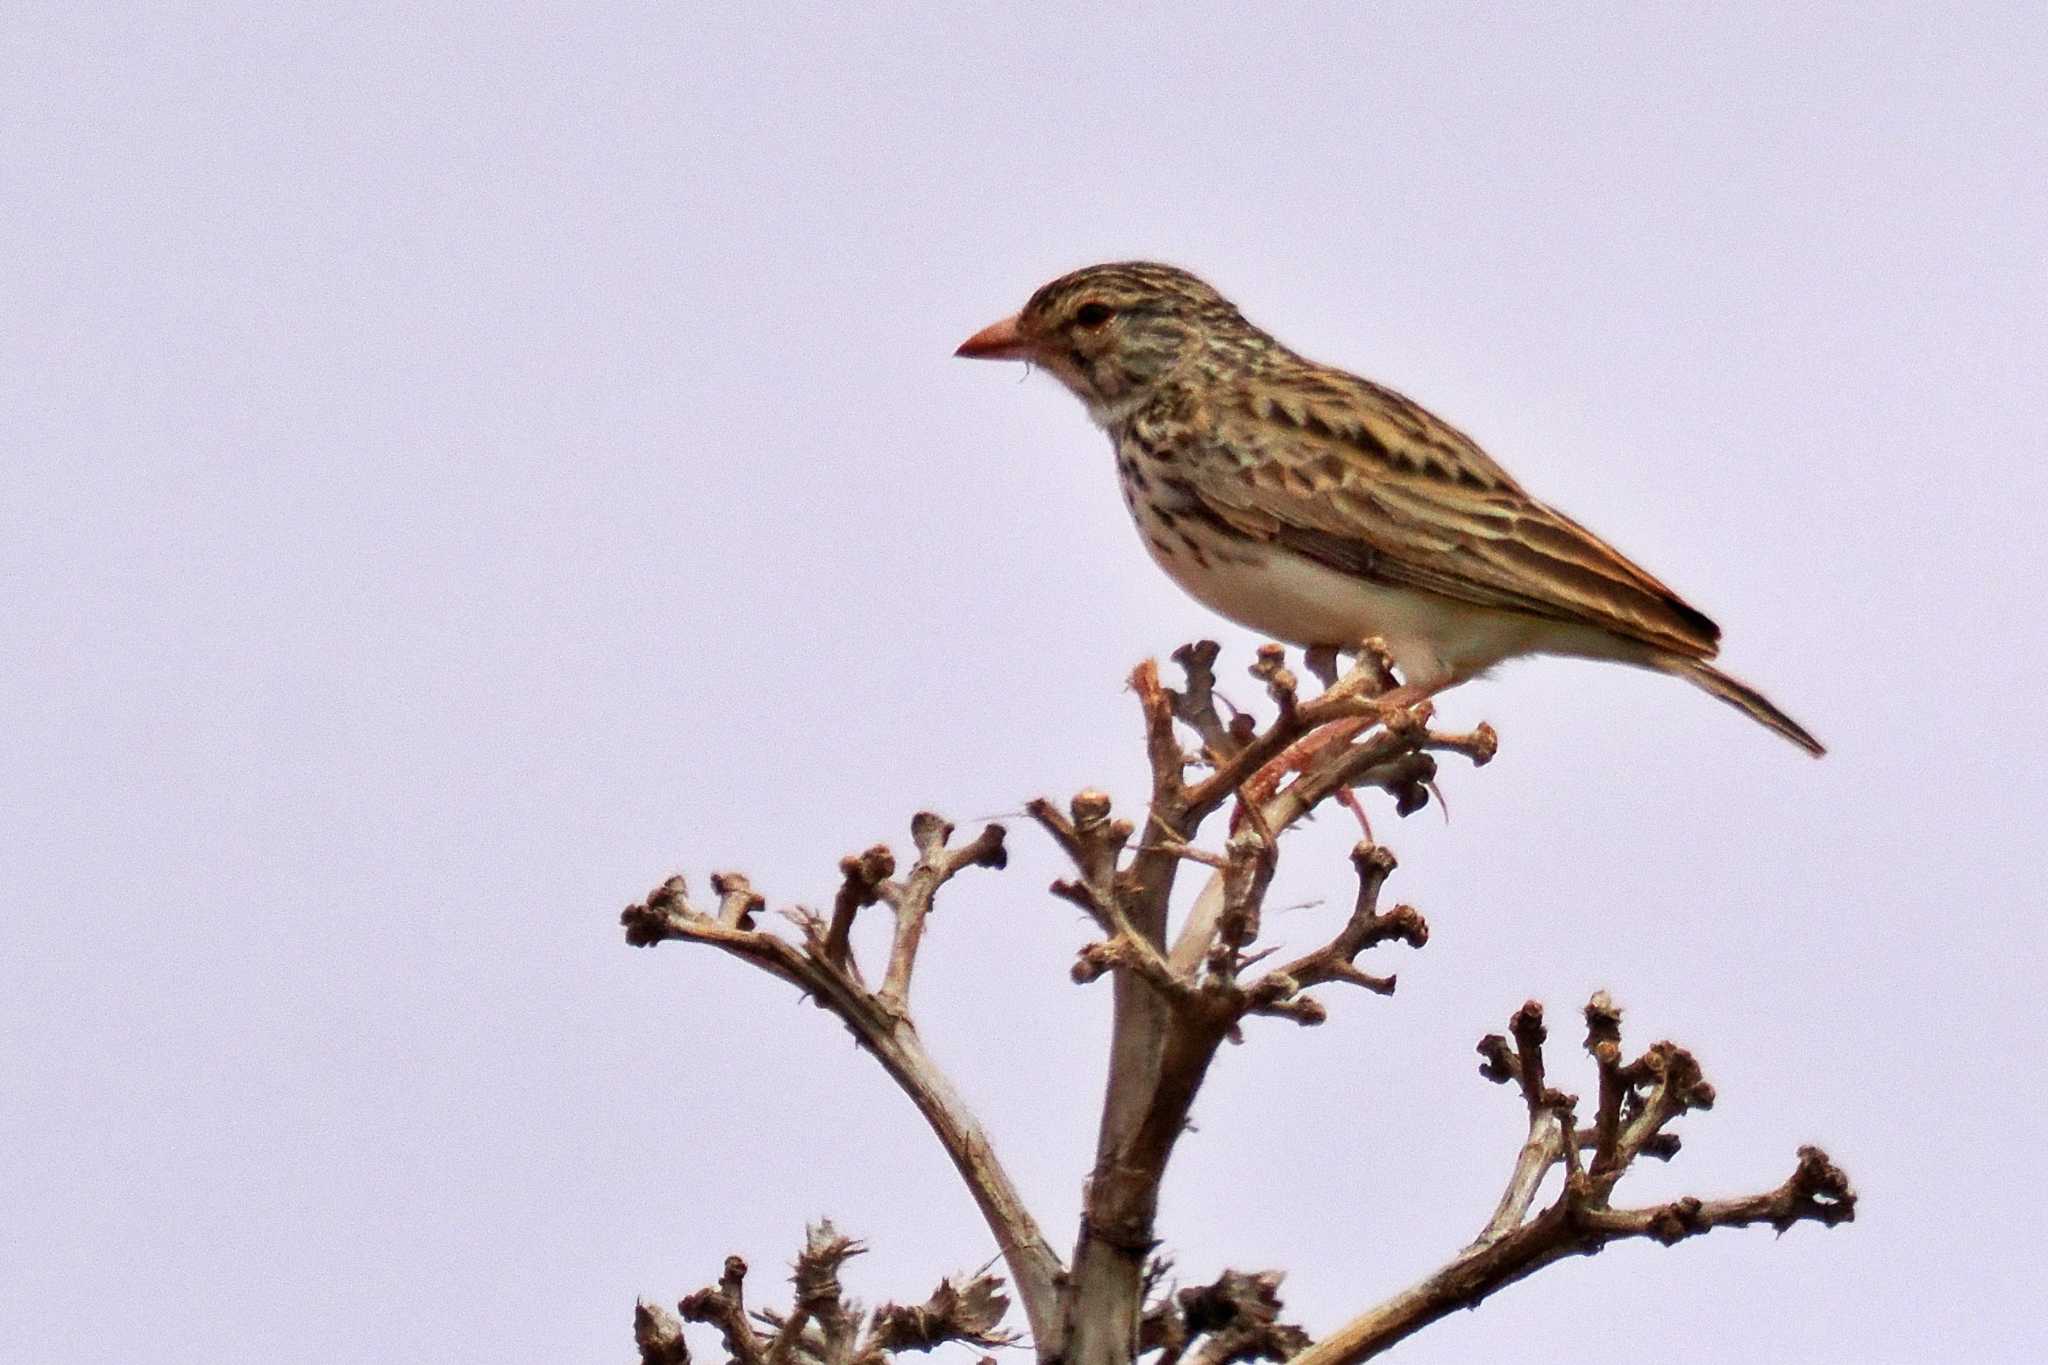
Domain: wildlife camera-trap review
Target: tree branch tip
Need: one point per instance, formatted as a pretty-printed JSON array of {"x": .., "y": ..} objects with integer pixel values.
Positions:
[
  {"x": 1376, "y": 859},
  {"x": 929, "y": 831},
  {"x": 971, "y": 1311},
  {"x": 1270, "y": 667},
  {"x": 1660, "y": 1146},
  {"x": 658, "y": 1335},
  {"x": 1090, "y": 806},
  {"x": 739, "y": 902},
  {"x": 644, "y": 928},
  {"x": 1499, "y": 1064},
  {"x": 1373, "y": 653},
  {"x": 1404, "y": 924},
  {"x": 1820, "y": 1181},
  {"x": 870, "y": 867},
  {"x": 1480, "y": 745},
  {"x": 989, "y": 848},
  {"x": 1380, "y": 985}
]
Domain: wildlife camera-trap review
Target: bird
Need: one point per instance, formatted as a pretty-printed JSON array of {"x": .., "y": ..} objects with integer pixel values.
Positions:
[{"x": 1324, "y": 510}]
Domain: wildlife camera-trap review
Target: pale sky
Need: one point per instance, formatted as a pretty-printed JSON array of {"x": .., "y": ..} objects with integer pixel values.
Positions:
[{"x": 467, "y": 462}]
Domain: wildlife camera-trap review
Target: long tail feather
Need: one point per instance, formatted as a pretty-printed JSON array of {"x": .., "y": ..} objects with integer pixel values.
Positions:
[{"x": 1743, "y": 698}]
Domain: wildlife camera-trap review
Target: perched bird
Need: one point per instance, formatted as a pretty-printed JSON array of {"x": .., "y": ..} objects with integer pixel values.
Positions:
[{"x": 1321, "y": 509}]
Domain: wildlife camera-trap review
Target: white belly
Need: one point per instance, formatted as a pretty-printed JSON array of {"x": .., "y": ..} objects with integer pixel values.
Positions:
[{"x": 1434, "y": 640}]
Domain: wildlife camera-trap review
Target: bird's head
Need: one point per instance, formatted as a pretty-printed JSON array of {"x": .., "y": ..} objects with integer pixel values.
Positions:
[{"x": 1111, "y": 333}]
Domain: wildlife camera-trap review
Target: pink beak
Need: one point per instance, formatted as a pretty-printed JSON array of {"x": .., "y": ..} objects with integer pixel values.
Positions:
[{"x": 1000, "y": 341}]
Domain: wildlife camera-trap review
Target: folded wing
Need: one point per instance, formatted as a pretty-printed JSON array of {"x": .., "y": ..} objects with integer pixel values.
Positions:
[{"x": 1365, "y": 481}]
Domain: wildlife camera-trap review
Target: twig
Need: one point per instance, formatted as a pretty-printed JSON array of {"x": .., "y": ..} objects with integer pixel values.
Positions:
[
  {"x": 724, "y": 1306},
  {"x": 659, "y": 1336},
  {"x": 881, "y": 1025},
  {"x": 912, "y": 901},
  {"x": 1367, "y": 927},
  {"x": 822, "y": 1326},
  {"x": 1662, "y": 1084}
]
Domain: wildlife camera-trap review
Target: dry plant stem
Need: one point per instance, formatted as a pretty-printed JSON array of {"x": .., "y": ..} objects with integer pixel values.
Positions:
[
  {"x": 1168, "y": 1020},
  {"x": 1236, "y": 1318},
  {"x": 1174, "y": 1005},
  {"x": 822, "y": 1326},
  {"x": 659, "y": 1336},
  {"x": 725, "y": 1307},
  {"x": 912, "y": 901},
  {"x": 1636, "y": 1101},
  {"x": 880, "y": 1022}
]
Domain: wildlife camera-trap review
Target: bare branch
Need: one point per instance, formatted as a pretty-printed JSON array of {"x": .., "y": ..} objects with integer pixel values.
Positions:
[
  {"x": 1173, "y": 1009},
  {"x": 970, "y": 1312},
  {"x": 1195, "y": 705},
  {"x": 1603, "y": 1041},
  {"x": 864, "y": 875},
  {"x": 659, "y": 1336},
  {"x": 1235, "y": 1318},
  {"x": 1366, "y": 928},
  {"x": 738, "y": 902},
  {"x": 879, "y": 1020},
  {"x": 1162, "y": 746},
  {"x": 822, "y": 1326},
  {"x": 1664, "y": 1083},
  {"x": 724, "y": 1306},
  {"x": 912, "y": 901}
]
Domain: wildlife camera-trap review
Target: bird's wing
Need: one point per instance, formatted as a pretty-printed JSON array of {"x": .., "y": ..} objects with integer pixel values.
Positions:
[{"x": 1369, "y": 483}]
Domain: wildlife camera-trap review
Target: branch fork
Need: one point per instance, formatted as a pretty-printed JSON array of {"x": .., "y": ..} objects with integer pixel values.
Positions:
[
  {"x": 1637, "y": 1100},
  {"x": 1178, "y": 997}
]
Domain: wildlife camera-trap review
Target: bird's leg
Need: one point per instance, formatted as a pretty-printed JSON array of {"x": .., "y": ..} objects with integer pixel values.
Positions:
[
  {"x": 1260, "y": 787},
  {"x": 1349, "y": 800}
]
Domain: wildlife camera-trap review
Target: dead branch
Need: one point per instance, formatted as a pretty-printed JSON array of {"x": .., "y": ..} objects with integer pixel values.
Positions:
[
  {"x": 822, "y": 1326},
  {"x": 724, "y": 1306},
  {"x": 1637, "y": 1101},
  {"x": 1235, "y": 1318},
  {"x": 1176, "y": 1001},
  {"x": 821, "y": 964},
  {"x": 1175, "y": 1006},
  {"x": 1337, "y": 959},
  {"x": 659, "y": 1336}
]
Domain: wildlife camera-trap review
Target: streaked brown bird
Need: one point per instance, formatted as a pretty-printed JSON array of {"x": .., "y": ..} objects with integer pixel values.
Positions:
[{"x": 1321, "y": 509}]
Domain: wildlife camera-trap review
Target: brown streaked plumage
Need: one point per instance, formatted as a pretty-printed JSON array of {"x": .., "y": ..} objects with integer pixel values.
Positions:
[{"x": 1318, "y": 507}]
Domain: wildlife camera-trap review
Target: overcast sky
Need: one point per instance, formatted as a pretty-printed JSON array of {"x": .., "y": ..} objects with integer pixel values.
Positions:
[{"x": 466, "y": 462}]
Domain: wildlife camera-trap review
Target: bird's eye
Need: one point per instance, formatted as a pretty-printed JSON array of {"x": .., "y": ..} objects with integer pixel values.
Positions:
[{"x": 1092, "y": 315}]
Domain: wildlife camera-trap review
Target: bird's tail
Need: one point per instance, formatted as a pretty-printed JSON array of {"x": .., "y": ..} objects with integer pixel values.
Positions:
[{"x": 1743, "y": 698}]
